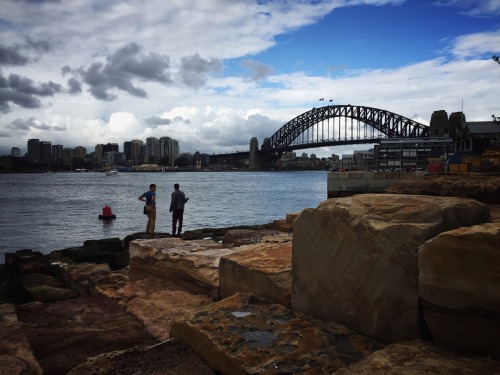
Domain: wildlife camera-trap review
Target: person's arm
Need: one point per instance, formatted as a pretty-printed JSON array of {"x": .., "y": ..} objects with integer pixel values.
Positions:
[
  {"x": 172, "y": 202},
  {"x": 141, "y": 197},
  {"x": 153, "y": 200}
]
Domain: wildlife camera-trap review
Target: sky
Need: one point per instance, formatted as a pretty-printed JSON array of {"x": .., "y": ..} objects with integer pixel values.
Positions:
[{"x": 215, "y": 73}]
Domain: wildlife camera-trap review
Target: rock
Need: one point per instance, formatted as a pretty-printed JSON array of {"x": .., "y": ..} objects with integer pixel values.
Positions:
[
  {"x": 193, "y": 265},
  {"x": 459, "y": 288},
  {"x": 45, "y": 288},
  {"x": 64, "y": 333},
  {"x": 354, "y": 259},
  {"x": 172, "y": 357},
  {"x": 244, "y": 334},
  {"x": 16, "y": 356},
  {"x": 239, "y": 237},
  {"x": 154, "y": 302},
  {"x": 419, "y": 358},
  {"x": 262, "y": 269}
]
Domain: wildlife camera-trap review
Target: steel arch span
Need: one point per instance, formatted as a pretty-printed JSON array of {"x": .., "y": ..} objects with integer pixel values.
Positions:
[{"x": 335, "y": 125}]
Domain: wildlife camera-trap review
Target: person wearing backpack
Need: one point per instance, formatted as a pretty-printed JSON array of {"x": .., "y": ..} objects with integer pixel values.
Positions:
[{"x": 150, "y": 198}]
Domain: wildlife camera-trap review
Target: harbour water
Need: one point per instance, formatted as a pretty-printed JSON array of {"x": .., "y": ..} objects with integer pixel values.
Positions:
[{"x": 52, "y": 211}]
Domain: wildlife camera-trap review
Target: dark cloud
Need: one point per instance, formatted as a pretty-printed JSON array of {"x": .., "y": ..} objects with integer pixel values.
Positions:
[
  {"x": 31, "y": 123},
  {"x": 24, "y": 92},
  {"x": 194, "y": 70},
  {"x": 122, "y": 68},
  {"x": 12, "y": 56},
  {"x": 75, "y": 86},
  {"x": 21, "y": 54},
  {"x": 258, "y": 70},
  {"x": 156, "y": 121}
]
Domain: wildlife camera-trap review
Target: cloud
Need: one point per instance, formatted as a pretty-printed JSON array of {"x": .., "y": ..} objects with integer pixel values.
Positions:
[
  {"x": 194, "y": 70},
  {"x": 32, "y": 123},
  {"x": 258, "y": 70},
  {"x": 472, "y": 45},
  {"x": 482, "y": 8},
  {"x": 126, "y": 65},
  {"x": 24, "y": 92}
]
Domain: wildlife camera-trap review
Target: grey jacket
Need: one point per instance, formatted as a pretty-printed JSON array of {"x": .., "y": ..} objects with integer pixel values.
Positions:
[{"x": 178, "y": 200}]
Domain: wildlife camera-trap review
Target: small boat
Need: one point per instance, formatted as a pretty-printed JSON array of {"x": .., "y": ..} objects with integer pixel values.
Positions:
[{"x": 112, "y": 172}]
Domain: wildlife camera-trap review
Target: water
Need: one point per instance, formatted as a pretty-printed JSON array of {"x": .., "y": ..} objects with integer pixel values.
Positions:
[{"x": 46, "y": 212}]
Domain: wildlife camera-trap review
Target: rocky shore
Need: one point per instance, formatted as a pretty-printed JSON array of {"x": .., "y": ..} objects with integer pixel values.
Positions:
[{"x": 370, "y": 284}]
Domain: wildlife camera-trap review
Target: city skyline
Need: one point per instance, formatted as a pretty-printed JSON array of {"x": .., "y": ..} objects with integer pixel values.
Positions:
[{"x": 215, "y": 74}]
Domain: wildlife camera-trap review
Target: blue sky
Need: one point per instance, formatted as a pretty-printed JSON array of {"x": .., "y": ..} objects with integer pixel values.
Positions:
[{"x": 214, "y": 73}]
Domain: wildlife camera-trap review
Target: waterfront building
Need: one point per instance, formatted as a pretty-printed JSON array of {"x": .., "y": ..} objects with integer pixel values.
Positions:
[
  {"x": 152, "y": 150},
  {"x": 33, "y": 149},
  {"x": 79, "y": 152},
  {"x": 127, "y": 150},
  {"x": 15, "y": 152},
  {"x": 45, "y": 151},
  {"x": 98, "y": 152},
  {"x": 137, "y": 152},
  {"x": 57, "y": 152}
]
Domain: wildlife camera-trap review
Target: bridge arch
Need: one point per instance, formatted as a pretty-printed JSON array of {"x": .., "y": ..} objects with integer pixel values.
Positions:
[{"x": 334, "y": 125}]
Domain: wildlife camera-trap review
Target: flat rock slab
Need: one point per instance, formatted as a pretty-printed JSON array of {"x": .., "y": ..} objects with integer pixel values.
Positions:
[
  {"x": 172, "y": 357},
  {"x": 16, "y": 356},
  {"x": 154, "y": 302},
  {"x": 244, "y": 334},
  {"x": 63, "y": 334},
  {"x": 420, "y": 358},
  {"x": 193, "y": 265},
  {"x": 264, "y": 269}
]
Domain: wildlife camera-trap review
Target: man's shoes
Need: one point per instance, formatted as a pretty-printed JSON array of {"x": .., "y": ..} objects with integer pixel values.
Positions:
[{"x": 178, "y": 234}]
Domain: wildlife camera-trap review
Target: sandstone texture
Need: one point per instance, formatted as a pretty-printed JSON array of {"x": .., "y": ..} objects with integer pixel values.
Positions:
[
  {"x": 193, "y": 264},
  {"x": 459, "y": 286},
  {"x": 261, "y": 269},
  {"x": 355, "y": 260},
  {"x": 420, "y": 358},
  {"x": 244, "y": 334},
  {"x": 16, "y": 356},
  {"x": 171, "y": 357},
  {"x": 64, "y": 333}
]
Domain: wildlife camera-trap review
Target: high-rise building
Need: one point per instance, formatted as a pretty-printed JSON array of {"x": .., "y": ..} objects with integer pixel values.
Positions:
[
  {"x": 137, "y": 151},
  {"x": 165, "y": 144},
  {"x": 15, "y": 152},
  {"x": 57, "y": 152},
  {"x": 34, "y": 149},
  {"x": 174, "y": 151},
  {"x": 79, "y": 152},
  {"x": 152, "y": 150},
  {"x": 45, "y": 151},
  {"x": 99, "y": 151},
  {"x": 127, "y": 149}
]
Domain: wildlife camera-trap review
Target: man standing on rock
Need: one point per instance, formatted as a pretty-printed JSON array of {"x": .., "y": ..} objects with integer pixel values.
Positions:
[
  {"x": 177, "y": 209},
  {"x": 150, "y": 198}
]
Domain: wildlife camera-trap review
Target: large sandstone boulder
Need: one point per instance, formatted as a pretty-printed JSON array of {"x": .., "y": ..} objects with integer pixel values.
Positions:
[
  {"x": 354, "y": 259},
  {"x": 244, "y": 334},
  {"x": 262, "y": 269},
  {"x": 420, "y": 358},
  {"x": 459, "y": 286}
]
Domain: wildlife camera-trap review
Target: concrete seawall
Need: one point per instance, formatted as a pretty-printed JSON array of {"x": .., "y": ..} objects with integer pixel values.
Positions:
[{"x": 341, "y": 184}]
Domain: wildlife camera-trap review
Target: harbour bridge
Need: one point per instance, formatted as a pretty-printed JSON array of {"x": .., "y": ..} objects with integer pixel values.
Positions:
[{"x": 331, "y": 125}]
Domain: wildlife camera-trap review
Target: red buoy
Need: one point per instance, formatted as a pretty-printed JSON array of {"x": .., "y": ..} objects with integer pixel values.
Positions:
[{"x": 107, "y": 214}]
